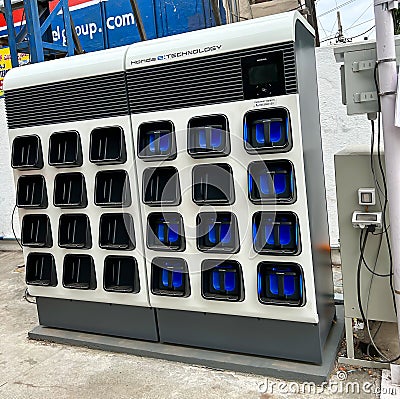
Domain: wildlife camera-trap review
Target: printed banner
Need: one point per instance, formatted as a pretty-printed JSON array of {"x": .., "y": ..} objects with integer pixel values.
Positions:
[{"x": 5, "y": 64}]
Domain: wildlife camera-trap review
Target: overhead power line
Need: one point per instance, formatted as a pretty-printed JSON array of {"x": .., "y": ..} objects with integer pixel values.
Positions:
[
  {"x": 336, "y": 8},
  {"x": 349, "y": 38},
  {"x": 361, "y": 23},
  {"x": 359, "y": 17},
  {"x": 361, "y": 34}
]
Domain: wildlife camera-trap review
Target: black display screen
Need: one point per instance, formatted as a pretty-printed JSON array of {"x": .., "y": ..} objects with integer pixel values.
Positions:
[{"x": 263, "y": 75}]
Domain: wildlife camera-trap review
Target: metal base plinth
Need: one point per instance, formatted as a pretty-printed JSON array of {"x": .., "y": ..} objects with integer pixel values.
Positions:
[
  {"x": 133, "y": 322},
  {"x": 277, "y": 368},
  {"x": 282, "y": 339}
]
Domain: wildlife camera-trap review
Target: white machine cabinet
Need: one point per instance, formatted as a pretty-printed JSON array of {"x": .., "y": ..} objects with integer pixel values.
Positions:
[{"x": 176, "y": 188}]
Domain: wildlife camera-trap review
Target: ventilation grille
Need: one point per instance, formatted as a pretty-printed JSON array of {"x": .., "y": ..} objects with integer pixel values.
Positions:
[
  {"x": 200, "y": 81},
  {"x": 94, "y": 97}
]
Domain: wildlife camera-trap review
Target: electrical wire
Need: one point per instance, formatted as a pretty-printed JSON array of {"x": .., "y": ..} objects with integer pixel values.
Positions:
[
  {"x": 371, "y": 156},
  {"x": 322, "y": 26},
  {"x": 366, "y": 264},
  {"x": 336, "y": 8},
  {"x": 27, "y": 297},
  {"x": 363, "y": 240},
  {"x": 372, "y": 338},
  {"x": 349, "y": 38},
  {"x": 12, "y": 227},
  {"x": 358, "y": 18},
  {"x": 362, "y": 34},
  {"x": 361, "y": 23}
]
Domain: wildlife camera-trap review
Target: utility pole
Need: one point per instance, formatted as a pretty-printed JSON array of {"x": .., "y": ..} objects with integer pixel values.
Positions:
[
  {"x": 312, "y": 19},
  {"x": 387, "y": 72},
  {"x": 339, "y": 37}
]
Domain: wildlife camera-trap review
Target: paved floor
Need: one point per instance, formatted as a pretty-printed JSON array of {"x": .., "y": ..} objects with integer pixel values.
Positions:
[{"x": 35, "y": 370}]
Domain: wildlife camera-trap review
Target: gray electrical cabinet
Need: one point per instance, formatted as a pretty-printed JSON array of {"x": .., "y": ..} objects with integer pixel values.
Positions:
[
  {"x": 357, "y": 75},
  {"x": 352, "y": 168}
]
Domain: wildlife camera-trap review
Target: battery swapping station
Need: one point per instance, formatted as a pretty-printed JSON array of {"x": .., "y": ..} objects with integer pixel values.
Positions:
[{"x": 173, "y": 190}]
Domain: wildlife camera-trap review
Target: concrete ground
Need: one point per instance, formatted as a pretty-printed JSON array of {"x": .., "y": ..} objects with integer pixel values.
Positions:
[{"x": 35, "y": 370}]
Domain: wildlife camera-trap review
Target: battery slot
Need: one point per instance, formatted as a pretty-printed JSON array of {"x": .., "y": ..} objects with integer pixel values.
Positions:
[
  {"x": 41, "y": 270},
  {"x": 271, "y": 182},
  {"x": 107, "y": 145},
  {"x": 65, "y": 149},
  {"x": 276, "y": 233},
  {"x": 31, "y": 192},
  {"x": 170, "y": 277},
  {"x": 117, "y": 231},
  {"x": 36, "y": 231},
  {"x": 121, "y": 274},
  {"x": 267, "y": 130},
  {"x": 79, "y": 272},
  {"x": 156, "y": 141},
  {"x": 70, "y": 190},
  {"x": 213, "y": 184},
  {"x": 74, "y": 231},
  {"x": 165, "y": 232},
  {"x": 27, "y": 153},
  {"x": 161, "y": 186},
  {"x": 222, "y": 280},
  {"x": 112, "y": 189},
  {"x": 280, "y": 284},
  {"x": 208, "y": 136},
  {"x": 217, "y": 232}
]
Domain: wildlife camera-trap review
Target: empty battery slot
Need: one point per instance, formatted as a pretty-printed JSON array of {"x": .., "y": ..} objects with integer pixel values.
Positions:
[
  {"x": 161, "y": 186},
  {"x": 112, "y": 188},
  {"x": 117, "y": 231},
  {"x": 27, "y": 153},
  {"x": 36, "y": 231},
  {"x": 107, "y": 145},
  {"x": 121, "y": 274},
  {"x": 31, "y": 192},
  {"x": 79, "y": 272},
  {"x": 74, "y": 231},
  {"x": 41, "y": 270},
  {"x": 213, "y": 184},
  {"x": 65, "y": 149},
  {"x": 70, "y": 190}
]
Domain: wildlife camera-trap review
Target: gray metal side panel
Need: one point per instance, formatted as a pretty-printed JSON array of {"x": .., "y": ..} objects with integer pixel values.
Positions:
[
  {"x": 99, "y": 318},
  {"x": 262, "y": 337},
  {"x": 314, "y": 172}
]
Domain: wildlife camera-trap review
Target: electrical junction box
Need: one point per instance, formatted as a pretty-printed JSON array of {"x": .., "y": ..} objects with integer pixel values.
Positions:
[
  {"x": 185, "y": 197},
  {"x": 357, "y": 75},
  {"x": 352, "y": 170}
]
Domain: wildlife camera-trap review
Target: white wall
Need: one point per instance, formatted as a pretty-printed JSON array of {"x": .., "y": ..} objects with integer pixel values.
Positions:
[{"x": 338, "y": 131}]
